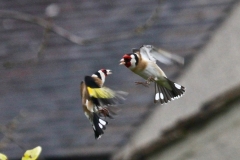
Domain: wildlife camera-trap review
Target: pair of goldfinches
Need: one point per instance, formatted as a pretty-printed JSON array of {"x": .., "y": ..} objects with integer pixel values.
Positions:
[{"x": 97, "y": 100}]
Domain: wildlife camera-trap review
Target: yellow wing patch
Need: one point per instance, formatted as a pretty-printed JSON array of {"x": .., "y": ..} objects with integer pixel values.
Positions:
[
  {"x": 103, "y": 92},
  {"x": 3, "y": 157},
  {"x": 32, "y": 154}
]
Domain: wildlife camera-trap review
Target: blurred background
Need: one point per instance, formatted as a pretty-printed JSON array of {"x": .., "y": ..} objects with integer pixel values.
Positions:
[{"x": 47, "y": 47}]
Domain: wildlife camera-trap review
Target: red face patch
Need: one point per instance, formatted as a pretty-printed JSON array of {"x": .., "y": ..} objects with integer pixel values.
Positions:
[
  {"x": 104, "y": 71},
  {"x": 127, "y": 59}
]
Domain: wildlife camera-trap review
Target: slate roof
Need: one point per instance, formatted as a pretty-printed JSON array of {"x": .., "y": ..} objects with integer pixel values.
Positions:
[
  {"x": 209, "y": 111},
  {"x": 41, "y": 100}
]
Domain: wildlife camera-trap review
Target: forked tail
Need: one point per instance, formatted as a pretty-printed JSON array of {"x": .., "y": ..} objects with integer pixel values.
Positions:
[
  {"x": 98, "y": 126},
  {"x": 164, "y": 95}
]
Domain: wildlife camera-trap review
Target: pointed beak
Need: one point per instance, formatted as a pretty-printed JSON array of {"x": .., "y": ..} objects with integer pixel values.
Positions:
[
  {"x": 122, "y": 62},
  {"x": 109, "y": 71}
]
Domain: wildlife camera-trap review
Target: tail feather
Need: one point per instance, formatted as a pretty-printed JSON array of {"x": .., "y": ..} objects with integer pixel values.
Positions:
[
  {"x": 164, "y": 95},
  {"x": 98, "y": 126},
  {"x": 167, "y": 96}
]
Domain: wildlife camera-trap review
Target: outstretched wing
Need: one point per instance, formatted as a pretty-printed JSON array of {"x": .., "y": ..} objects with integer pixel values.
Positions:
[
  {"x": 101, "y": 96},
  {"x": 153, "y": 54},
  {"x": 106, "y": 96}
]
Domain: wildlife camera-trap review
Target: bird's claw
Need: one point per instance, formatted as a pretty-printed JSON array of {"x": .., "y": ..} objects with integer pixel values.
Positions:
[
  {"x": 147, "y": 82},
  {"x": 104, "y": 112}
]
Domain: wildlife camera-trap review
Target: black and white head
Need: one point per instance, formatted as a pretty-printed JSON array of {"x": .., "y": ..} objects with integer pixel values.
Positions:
[
  {"x": 130, "y": 60},
  {"x": 102, "y": 74}
]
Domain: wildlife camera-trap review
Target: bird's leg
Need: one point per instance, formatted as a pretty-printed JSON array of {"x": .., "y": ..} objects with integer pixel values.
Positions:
[
  {"x": 147, "y": 82},
  {"x": 105, "y": 112}
]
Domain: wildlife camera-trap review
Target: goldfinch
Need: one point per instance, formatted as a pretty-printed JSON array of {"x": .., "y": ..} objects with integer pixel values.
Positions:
[
  {"x": 143, "y": 62},
  {"x": 98, "y": 101}
]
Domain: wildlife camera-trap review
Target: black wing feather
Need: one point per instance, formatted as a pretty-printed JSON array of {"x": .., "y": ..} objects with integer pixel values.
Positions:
[{"x": 90, "y": 82}]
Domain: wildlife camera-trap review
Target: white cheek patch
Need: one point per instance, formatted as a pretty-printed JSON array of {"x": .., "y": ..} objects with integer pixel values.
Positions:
[
  {"x": 177, "y": 86},
  {"x": 133, "y": 61},
  {"x": 102, "y": 76},
  {"x": 102, "y": 122}
]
